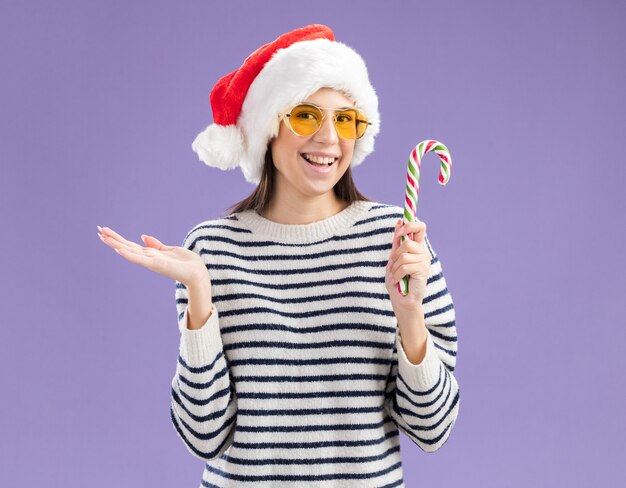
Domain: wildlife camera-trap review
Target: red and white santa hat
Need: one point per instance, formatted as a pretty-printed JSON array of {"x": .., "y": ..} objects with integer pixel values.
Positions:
[{"x": 278, "y": 75}]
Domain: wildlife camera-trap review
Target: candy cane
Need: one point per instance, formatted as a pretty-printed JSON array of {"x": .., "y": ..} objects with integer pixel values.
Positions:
[{"x": 412, "y": 186}]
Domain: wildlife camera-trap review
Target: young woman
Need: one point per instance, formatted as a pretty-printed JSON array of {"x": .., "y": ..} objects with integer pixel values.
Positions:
[{"x": 299, "y": 359}]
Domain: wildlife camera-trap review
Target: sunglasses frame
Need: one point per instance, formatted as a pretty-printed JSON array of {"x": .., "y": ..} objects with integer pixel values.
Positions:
[{"x": 286, "y": 117}]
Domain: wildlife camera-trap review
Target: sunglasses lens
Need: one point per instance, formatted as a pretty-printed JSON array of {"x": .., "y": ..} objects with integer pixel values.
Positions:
[
  {"x": 305, "y": 119},
  {"x": 361, "y": 124},
  {"x": 351, "y": 124},
  {"x": 346, "y": 124}
]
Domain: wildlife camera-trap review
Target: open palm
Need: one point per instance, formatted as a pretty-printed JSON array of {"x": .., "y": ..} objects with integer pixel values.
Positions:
[{"x": 175, "y": 262}]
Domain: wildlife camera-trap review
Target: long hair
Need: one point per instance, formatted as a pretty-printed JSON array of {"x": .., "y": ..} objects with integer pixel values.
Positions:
[{"x": 260, "y": 198}]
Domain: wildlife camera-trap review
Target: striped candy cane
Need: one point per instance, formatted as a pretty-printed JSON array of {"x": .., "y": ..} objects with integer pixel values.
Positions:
[{"x": 412, "y": 186}]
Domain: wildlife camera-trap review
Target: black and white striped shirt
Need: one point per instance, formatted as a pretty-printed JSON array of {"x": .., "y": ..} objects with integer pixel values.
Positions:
[{"x": 299, "y": 378}]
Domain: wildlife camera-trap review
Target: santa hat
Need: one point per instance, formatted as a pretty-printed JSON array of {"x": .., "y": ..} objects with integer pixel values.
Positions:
[{"x": 278, "y": 75}]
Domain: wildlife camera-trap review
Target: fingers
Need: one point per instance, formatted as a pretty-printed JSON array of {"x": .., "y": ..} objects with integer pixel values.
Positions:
[
  {"x": 134, "y": 256},
  {"x": 407, "y": 264},
  {"x": 153, "y": 242},
  {"x": 117, "y": 245},
  {"x": 417, "y": 228},
  {"x": 115, "y": 240},
  {"x": 403, "y": 234}
]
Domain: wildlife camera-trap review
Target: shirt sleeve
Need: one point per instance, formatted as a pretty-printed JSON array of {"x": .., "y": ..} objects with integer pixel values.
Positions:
[
  {"x": 423, "y": 399},
  {"x": 203, "y": 401}
]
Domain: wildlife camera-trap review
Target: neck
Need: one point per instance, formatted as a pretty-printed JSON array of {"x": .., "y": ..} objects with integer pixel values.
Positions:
[{"x": 291, "y": 210}]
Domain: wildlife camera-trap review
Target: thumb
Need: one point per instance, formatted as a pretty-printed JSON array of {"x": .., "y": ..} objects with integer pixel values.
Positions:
[
  {"x": 396, "y": 238},
  {"x": 152, "y": 242}
]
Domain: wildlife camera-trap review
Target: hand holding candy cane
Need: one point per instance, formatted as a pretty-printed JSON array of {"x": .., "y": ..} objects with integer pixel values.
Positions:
[
  {"x": 412, "y": 186},
  {"x": 410, "y": 258}
]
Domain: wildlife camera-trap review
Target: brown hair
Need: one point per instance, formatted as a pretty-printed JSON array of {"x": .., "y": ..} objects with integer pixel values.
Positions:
[{"x": 260, "y": 198}]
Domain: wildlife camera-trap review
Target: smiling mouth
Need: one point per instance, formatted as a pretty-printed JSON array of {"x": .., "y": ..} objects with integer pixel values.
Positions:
[{"x": 326, "y": 162}]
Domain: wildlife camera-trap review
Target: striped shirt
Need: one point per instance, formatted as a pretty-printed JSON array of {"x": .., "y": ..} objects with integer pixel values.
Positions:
[{"x": 298, "y": 377}]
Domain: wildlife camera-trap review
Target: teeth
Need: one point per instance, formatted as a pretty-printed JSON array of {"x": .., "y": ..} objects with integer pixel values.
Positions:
[{"x": 318, "y": 160}]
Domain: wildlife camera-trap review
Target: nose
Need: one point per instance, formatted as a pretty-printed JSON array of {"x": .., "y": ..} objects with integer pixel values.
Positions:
[{"x": 327, "y": 133}]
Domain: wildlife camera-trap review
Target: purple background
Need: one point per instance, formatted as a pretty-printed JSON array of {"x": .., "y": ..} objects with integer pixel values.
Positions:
[{"x": 100, "y": 102}]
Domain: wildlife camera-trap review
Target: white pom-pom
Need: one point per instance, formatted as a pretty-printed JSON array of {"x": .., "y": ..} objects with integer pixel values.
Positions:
[{"x": 219, "y": 146}]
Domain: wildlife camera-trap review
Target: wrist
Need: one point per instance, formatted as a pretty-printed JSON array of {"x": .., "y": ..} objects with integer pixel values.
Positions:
[
  {"x": 412, "y": 317},
  {"x": 411, "y": 324},
  {"x": 413, "y": 336},
  {"x": 201, "y": 281},
  {"x": 200, "y": 304}
]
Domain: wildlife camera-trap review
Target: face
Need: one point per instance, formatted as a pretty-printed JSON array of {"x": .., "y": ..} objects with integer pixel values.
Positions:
[{"x": 290, "y": 151}]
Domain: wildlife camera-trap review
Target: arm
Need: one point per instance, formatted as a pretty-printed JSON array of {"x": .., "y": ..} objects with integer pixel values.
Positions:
[
  {"x": 203, "y": 401},
  {"x": 423, "y": 398}
]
